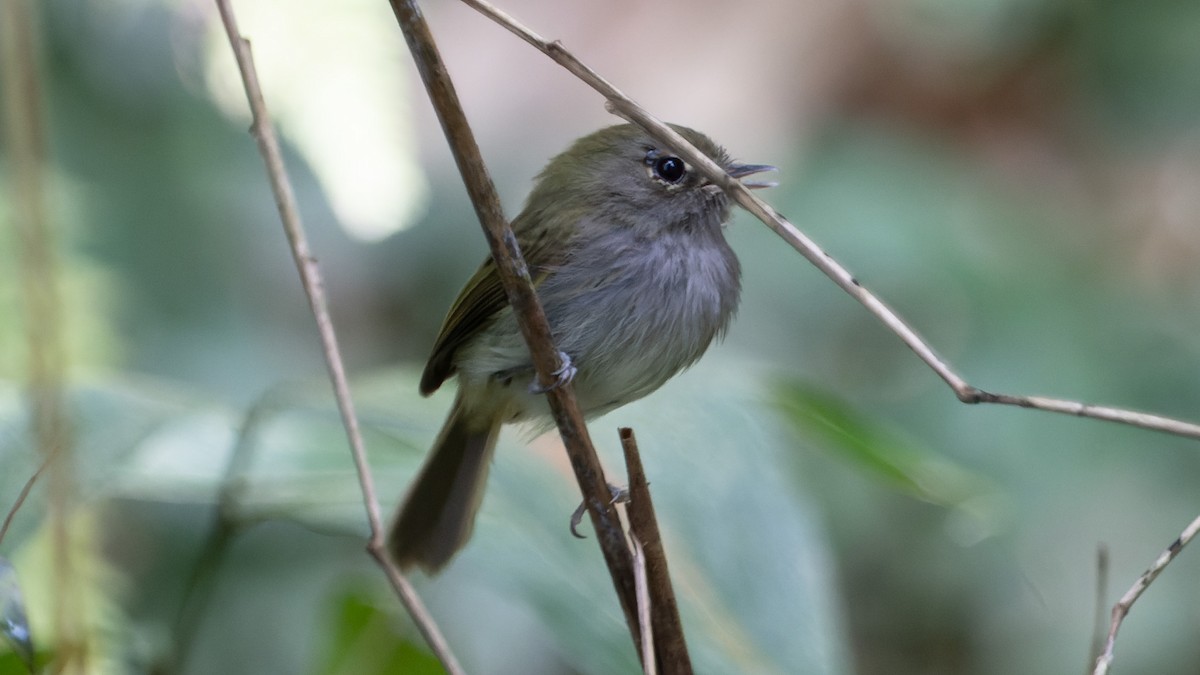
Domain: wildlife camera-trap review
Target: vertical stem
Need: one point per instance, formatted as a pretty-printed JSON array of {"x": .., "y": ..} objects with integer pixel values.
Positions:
[
  {"x": 25, "y": 137},
  {"x": 514, "y": 276},
  {"x": 669, "y": 641},
  {"x": 1101, "y": 619},
  {"x": 310, "y": 279}
]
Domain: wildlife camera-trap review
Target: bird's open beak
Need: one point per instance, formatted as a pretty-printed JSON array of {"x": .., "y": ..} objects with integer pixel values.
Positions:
[{"x": 740, "y": 171}]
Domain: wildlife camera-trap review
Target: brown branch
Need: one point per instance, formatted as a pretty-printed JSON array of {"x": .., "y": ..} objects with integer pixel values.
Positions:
[
  {"x": 624, "y": 106},
  {"x": 1121, "y": 609},
  {"x": 514, "y": 276},
  {"x": 310, "y": 277},
  {"x": 669, "y": 642}
]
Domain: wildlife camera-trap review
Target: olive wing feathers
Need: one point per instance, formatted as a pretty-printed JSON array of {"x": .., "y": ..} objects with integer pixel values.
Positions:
[{"x": 478, "y": 303}]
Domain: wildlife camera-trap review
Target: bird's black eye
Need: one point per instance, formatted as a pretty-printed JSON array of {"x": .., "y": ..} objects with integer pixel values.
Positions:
[{"x": 670, "y": 169}]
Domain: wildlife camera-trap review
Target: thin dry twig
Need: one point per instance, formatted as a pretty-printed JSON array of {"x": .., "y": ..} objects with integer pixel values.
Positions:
[
  {"x": 1121, "y": 609},
  {"x": 12, "y": 512},
  {"x": 642, "y": 586},
  {"x": 669, "y": 640},
  {"x": 514, "y": 276},
  {"x": 310, "y": 276},
  {"x": 1098, "y": 623},
  {"x": 624, "y": 106}
]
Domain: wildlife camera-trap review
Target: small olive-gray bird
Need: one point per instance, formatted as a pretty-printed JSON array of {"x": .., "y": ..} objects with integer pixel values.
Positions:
[{"x": 625, "y": 246}]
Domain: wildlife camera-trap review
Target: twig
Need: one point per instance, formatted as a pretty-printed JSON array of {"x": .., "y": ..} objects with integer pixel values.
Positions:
[
  {"x": 1121, "y": 609},
  {"x": 514, "y": 276},
  {"x": 310, "y": 277},
  {"x": 669, "y": 641},
  {"x": 1101, "y": 605},
  {"x": 624, "y": 106},
  {"x": 12, "y": 512},
  {"x": 649, "y": 665}
]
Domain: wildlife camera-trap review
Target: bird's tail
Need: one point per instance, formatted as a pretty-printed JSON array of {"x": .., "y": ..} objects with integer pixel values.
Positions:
[{"x": 436, "y": 517}]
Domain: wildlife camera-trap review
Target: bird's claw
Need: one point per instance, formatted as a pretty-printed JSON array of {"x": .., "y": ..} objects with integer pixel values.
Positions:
[
  {"x": 564, "y": 374},
  {"x": 619, "y": 496}
]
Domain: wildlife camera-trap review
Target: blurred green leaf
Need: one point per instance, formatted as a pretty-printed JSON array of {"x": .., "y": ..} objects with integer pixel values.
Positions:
[
  {"x": 363, "y": 641},
  {"x": 12, "y": 663},
  {"x": 887, "y": 454},
  {"x": 841, "y": 429},
  {"x": 87, "y": 592}
]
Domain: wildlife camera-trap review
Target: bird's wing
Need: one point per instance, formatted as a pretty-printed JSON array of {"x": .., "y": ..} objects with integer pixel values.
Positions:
[{"x": 478, "y": 303}]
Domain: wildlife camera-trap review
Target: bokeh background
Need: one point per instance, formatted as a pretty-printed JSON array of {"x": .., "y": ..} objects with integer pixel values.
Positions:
[{"x": 1019, "y": 178}]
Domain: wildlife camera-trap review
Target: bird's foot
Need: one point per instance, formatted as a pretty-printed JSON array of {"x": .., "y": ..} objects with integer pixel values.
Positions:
[
  {"x": 564, "y": 374},
  {"x": 620, "y": 495}
]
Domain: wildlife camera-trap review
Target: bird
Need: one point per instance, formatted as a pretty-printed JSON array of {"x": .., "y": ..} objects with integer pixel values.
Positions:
[{"x": 624, "y": 241}]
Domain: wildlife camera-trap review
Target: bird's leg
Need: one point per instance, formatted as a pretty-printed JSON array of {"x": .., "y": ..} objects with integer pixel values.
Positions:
[
  {"x": 564, "y": 374},
  {"x": 620, "y": 495}
]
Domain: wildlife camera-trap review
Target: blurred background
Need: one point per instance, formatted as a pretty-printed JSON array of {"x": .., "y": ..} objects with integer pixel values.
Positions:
[{"x": 1018, "y": 178}]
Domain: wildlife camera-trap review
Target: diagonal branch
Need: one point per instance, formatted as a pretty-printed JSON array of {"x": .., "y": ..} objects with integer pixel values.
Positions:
[
  {"x": 21, "y": 497},
  {"x": 624, "y": 106},
  {"x": 310, "y": 277},
  {"x": 1121, "y": 609},
  {"x": 514, "y": 276}
]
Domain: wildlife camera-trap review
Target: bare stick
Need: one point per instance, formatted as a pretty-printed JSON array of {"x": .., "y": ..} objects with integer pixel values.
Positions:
[
  {"x": 673, "y": 658},
  {"x": 1098, "y": 624},
  {"x": 625, "y": 107},
  {"x": 310, "y": 276},
  {"x": 649, "y": 666},
  {"x": 1121, "y": 609},
  {"x": 514, "y": 276}
]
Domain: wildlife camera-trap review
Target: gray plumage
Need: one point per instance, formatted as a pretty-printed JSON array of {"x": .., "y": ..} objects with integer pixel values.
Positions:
[{"x": 636, "y": 279}]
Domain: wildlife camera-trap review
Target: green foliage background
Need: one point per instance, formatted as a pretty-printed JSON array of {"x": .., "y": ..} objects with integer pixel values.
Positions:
[{"x": 1017, "y": 177}]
